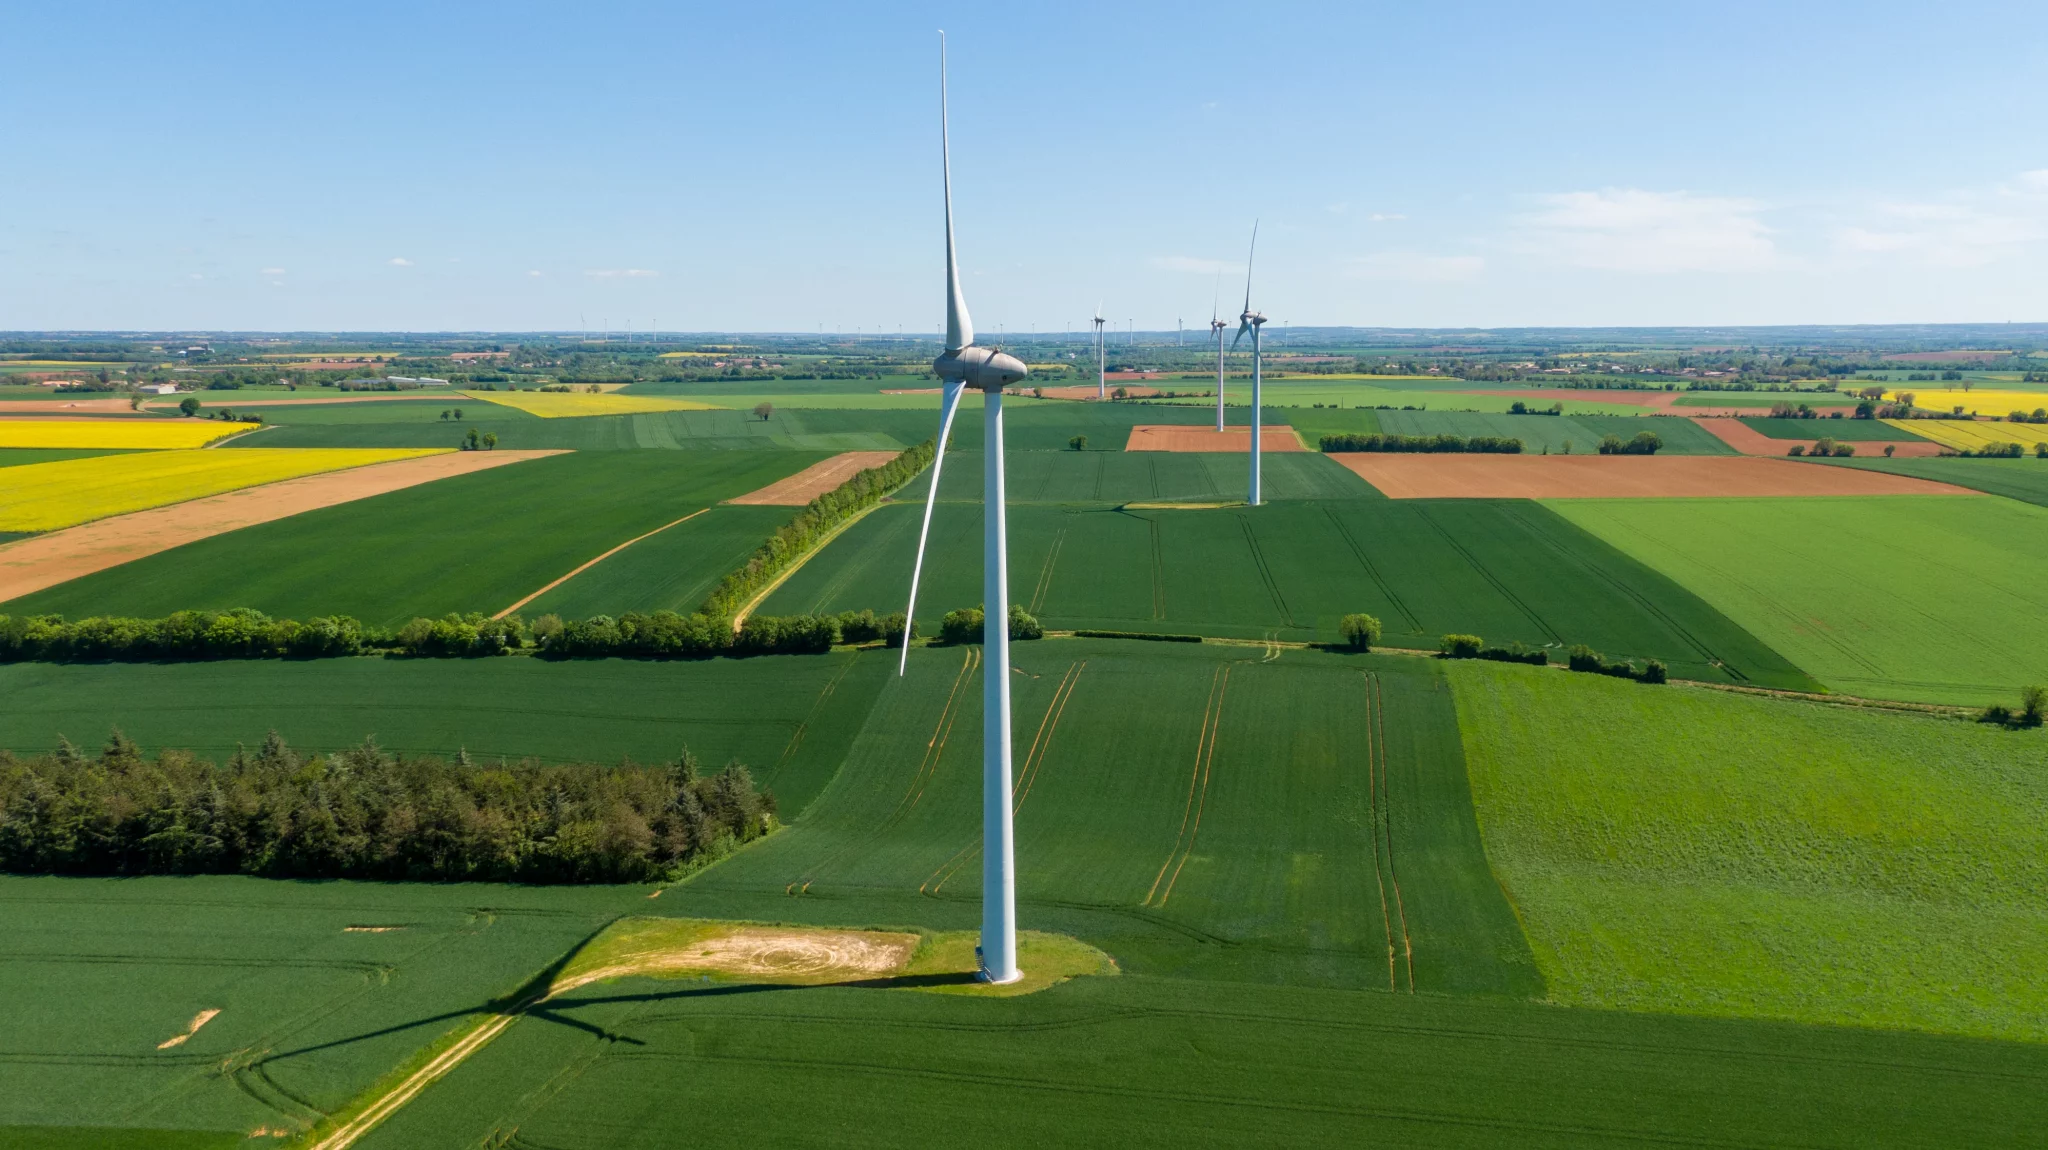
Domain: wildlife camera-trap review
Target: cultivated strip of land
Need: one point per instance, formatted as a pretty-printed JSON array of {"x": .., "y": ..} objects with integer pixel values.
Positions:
[
  {"x": 799, "y": 489},
  {"x": 32, "y": 564},
  {"x": 1446, "y": 476},
  {"x": 1169, "y": 437},
  {"x": 1749, "y": 441},
  {"x": 594, "y": 562}
]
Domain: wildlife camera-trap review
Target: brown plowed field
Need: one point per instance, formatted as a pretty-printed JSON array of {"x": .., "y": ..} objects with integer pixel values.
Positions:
[
  {"x": 46, "y": 560},
  {"x": 67, "y": 406},
  {"x": 1619, "y": 476},
  {"x": 815, "y": 480},
  {"x": 1749, "y": 441},
  {"x": 225, "y": 399},
  {"x": 1177, "y": 437}
]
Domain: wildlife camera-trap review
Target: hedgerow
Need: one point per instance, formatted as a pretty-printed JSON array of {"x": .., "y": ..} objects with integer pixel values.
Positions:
[{"x": 1378, "y": 441}]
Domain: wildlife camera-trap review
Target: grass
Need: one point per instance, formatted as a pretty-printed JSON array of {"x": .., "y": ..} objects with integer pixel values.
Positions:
[
  {"x": 1541, "y": 433},
  {"x": 1503, "y": 569},
  {"x": 17, "y": 457},
  {"x": 1930, "y": 598},
  {"x": 130, "y": 434},
  {"x": 1115, "y": 477},
  {"x": 672, "y": 571},
  {"x": 1846, "y": 866},
  {"x": 788, "y": 718},
  {"x": 478, "y": 542},
  {"x": 2023, "y": 479},
  {"x": 46, "y": 496},
  {"x": 1309, "y": 391},
  {"x": 99, "y": 972},
  {"x": 561, "y": 405},
  {"x": 1845, "y": 430},
  {"x": 1201, "y": 794},
  {"x": 1974, "y": 435}
]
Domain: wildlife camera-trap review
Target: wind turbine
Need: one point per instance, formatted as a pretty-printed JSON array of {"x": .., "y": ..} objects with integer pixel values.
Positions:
[
  {"x": 1216, "y": 328},
  {"x": 1251, "y": 321},
  {"x": 1101, "y": 390},
  {"x": 960, "y": 366}
]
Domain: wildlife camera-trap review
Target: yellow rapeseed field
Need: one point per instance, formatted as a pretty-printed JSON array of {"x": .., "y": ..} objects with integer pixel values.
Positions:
[
  {"x": 46, "y": 496},
  {"x": 115, "y": 433},
  {"x": 563, "y": 404},
  {"x": 1974, "y": 435},
  {"x": 1976, "y": 401}
]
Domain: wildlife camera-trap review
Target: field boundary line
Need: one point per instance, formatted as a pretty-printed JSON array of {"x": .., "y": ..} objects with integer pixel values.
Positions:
[
  {"x": 594, "y": 562},
  {"x": 740, "y": 617}
]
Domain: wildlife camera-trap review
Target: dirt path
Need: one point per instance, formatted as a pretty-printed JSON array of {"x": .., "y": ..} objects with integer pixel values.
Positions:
[
  {"x": 40, "y": 561},
  {"x": 1446, "y": 476},
  {"x": 815, "y": 480},
  {"x": 594, "y": 562},
  {"x": 1181, "y": 437},
  {"x": 1749, "y": 441}
]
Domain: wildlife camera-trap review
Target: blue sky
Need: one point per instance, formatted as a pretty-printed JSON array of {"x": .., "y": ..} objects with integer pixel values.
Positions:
[{"x": 425, "y": 166}]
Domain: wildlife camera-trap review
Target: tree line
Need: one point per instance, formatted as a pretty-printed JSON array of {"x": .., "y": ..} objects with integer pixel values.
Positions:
[{"x": 366, "y": 814}]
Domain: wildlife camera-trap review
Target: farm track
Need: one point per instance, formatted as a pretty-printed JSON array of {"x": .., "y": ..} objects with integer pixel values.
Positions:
[
  {"x": 1198, "y": 792},
  {"x": 1500, "y": 585},
  {"x": 1020, "y": 789},
  {"x": 1265, "y": 569},
  {"x": 1052, "y": 558},
  {"x": 594, "y": 562},
  {"x": 1383, "y": 824},
  {"x": 1372, "y": 571}
]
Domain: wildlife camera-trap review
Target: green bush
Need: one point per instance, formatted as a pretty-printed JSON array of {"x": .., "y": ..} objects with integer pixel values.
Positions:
[
  {"x": 962, "y": 626},
  {"x": 1023, "y": 626},
  {"x": 462, "y": 636},
  {"x": 1360, "y": 632},
  {"x": 238, "y": 634},
  {"x": 1459, "y": 646}
]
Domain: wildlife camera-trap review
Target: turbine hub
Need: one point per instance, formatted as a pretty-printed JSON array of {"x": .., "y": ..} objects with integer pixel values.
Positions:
[{"x": 981, "y": 368}]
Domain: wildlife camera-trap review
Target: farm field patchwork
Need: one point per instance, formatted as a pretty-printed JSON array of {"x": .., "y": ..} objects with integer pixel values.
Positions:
[
  {"x": 47, "y": 496},
  {"x": 1550, "y": 434},
  {"x": 1695, "y": 851},
  {"x": 1649, "y": 477},
  {"x": 1116, "y": 477},
  {"x": 1975, "y": 435},
  {"x": 2022, "y": 479},
  {"x": 468, "y": 543},
  {"x": 789, "y": 718},
  {"x": 130, "y": 434},
  {"x": 569, "y": 405},
  {"x": 672, "y": 571},
  {"x": 289, "y": 1007},
  {"x": 18, "y": 456},
  {"x": 1898, "y": 597},
  {"x": 1506, "y": 570},
  {"x": 1878, "y": 431}
]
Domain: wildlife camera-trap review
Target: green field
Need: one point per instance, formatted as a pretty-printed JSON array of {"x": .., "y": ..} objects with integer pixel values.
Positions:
[
  {"x": 1933, "y": 598},
  {"x": 1115, "y": 477},
  {"x": 1503, "y": 569},
  {"x": 1847, "y": 430},
  {"x": 1848, "y": 866},
  {"x": 99, "y": 972},
  {"x": 477, "y": 542},
  {"x": 799, "y": 712},
  {"x": 16, "y": 456},
  {"x": 2023, "y": 479},
  {"x": 1765, "y": 399},
  {"x": 672, "y": 571},
  {"x": 1551, "y": 433}
]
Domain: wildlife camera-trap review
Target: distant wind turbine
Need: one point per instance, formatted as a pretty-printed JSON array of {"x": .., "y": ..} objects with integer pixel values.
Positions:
[
  {"x": 960, "y": 366},
  {"x": 1251, "y": 321},
  {"x": 1101, "y": 391},
  {"x": 1216, "y": 328}
]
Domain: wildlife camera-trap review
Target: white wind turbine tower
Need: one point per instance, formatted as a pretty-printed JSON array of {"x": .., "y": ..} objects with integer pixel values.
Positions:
[
  {"x": 960, "y": 366},
  {"x": 1216, "y": 328},
  {"x": 1101, "y": 389},
  {"x": 1251, "y": 321}
]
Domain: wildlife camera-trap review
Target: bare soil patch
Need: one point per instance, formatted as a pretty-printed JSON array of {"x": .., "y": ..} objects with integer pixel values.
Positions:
[
  {"x": 222, "y": 400},
  {"x": 815, "y": 480},
  {"x": 41, "y": 561},
  {"x": 781, "y": 954},
  {"x": 1171, "y": 437},
  {"x": 65, "y": 406},
  {"x": 1619, "y": 476},
  {"x": 1749, "y": 441},
  {"x": 198, "y": 1020}
]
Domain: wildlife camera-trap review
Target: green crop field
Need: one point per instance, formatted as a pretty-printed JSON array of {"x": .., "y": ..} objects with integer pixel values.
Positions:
[
  {"x": 1764, "y": 399},
  {"x": 1847, "y": 430},
  {"x": 1551, "y": 433},
  {"x": 16, "y": 456},
  {"x": 1506, "y": 570},
  {"x": 1286, "y": 396},
  {"x": 100, "y": 974},
  {"x": 1933, "y": 598},
  {"x": 477, "y": 542},
  {"x": 672, "y": 571},
  {"x": 2022, "y": 479},
  {"x": 1847, "y": 866},
  {"x": 1114, "y": 477},
  {"x": 787, "y": 717}
]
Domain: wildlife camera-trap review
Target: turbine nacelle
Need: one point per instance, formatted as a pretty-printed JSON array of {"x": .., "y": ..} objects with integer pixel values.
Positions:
[{"x": 981, "y": 368}]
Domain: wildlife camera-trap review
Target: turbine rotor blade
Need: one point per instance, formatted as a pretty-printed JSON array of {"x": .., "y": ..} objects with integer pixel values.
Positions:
[
  {"x": 1248, "y": 266},
  {"x": 959, "y": 325},
  {"x": 949, "y": 405}
]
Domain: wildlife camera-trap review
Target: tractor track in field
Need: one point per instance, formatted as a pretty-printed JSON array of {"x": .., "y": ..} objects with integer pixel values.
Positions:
[
  {"x": 1500, "y": 585},
  {"x": 934, "y": 751},
  {"x": 1251, "y": 542},
  {"x": 1158, "y": 574},
  {"x": 1198, "y": 792},
  {"x": 1052, "y": 558},
  {"x": 1372, "y": 571},
  {"x": 1020, "y": 790},
  {"x": 796, "y": 736},
  {"x": 1376, "y": 743}
]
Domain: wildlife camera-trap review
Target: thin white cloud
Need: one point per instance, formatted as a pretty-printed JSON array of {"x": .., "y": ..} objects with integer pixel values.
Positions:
[
  {"x": 272, "y": 272},
  {"x": 1416, "y": 267},
  {"x": 1195, "y": 265},
  {"x": 533, "y": 273},
  {"x": 1383, "y": 217},
  {"x": 616, "y": 273},
  {"x": 399, "y": 262},
  {"x": 1968, "y": 228},
  {"x": 1633, "y": 230}
]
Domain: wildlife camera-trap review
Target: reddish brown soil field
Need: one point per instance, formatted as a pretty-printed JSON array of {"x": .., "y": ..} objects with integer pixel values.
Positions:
[
  {"x": 223, "y": 399},
  {"x": 1750, "y": 441},
  {"x": 1618, "y": 476},
  {"x": 815, "y": 480},
  {"x": 46, "y": 560},
  {"x": 1171, "y": 437},
  {"x": 66, "y": 406}
]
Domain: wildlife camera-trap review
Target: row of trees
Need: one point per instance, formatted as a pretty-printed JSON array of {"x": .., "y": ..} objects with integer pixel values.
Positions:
[
  {"x": 366, "y": 814},
  {"x": 1377, "y": 441},
  {"x": 1642, "y": 443}
]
